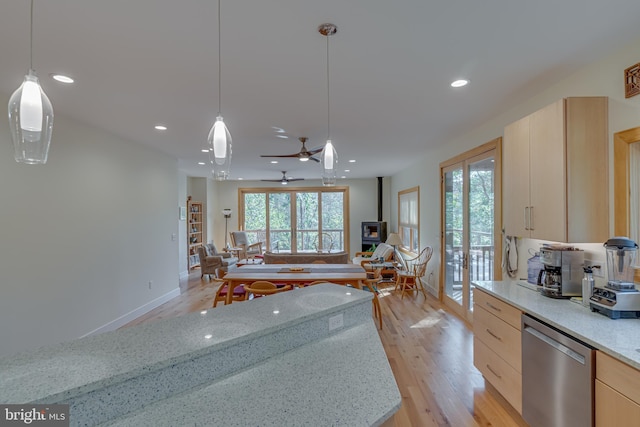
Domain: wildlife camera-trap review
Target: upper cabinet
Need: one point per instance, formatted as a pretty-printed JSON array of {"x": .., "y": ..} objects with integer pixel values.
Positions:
[{"x": 555, "y": 178}]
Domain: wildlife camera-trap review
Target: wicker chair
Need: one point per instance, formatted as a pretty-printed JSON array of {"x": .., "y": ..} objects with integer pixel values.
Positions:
[{"x": 411, "y": 279}]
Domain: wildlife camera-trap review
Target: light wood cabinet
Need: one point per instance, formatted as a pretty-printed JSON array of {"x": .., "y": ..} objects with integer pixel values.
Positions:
[
  {"x": 555, "y": 179},
  {"x": 194, "y": 231},
  {"x": 497, "y": 345},
  {"x": 617, "y": 390}
]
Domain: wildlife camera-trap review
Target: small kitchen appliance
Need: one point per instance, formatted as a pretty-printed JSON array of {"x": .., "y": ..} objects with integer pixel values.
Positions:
[
  {"x": 619, "y": 299},
  {"x": 561, "y": 275}
]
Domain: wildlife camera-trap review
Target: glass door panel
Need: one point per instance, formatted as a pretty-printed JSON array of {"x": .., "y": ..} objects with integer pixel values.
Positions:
[
  {"x": 332, "y": 226},
  {"x": 255, "y": 223},
  {"x": 280, "y": 222},
  {"x": 307, "y": 222},
  {"x": 469, "y": 228},
  {"x": 453, "y": 210},
  {"x": 481, "y": 173}
]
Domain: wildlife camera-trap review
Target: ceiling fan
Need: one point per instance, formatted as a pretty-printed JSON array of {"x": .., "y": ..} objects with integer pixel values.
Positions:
[
  {"x": 303, "y": 155},
  {"x": 284, "y": 180}
]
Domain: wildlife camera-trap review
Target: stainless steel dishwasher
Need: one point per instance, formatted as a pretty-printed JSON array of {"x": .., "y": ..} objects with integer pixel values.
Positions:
[{"x": 557, "y": 377}]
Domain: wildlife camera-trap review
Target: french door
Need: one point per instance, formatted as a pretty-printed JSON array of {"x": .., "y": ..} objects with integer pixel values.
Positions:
[{"x": 470, "y": 237}]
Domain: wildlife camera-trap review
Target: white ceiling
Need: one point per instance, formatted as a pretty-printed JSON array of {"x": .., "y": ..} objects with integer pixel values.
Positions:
[{"x": 142, "y": 62}]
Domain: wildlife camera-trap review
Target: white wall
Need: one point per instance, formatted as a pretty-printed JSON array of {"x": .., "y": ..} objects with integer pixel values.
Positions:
[
  {"x": 602, "y": 78},
  {"x": 82, "y": 236},
  {"x": 182, "y": 227},
  {"x": 363, "y": 205}
]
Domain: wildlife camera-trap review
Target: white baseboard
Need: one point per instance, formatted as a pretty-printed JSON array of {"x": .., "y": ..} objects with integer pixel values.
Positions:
[
  {"x": 134, "y": 314},
  {"x": 184, "y": 275}
]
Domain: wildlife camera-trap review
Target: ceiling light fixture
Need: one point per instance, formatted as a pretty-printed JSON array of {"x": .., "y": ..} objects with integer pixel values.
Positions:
[
  {"x": 62, "y": 78},
  {"x": 219, "y": 137},
  {"x": 30, "y": 117},
  {"x": 460, "y": 83},
  {"x": 160, "y": 127},
  {"x": 329, "y": 156}
]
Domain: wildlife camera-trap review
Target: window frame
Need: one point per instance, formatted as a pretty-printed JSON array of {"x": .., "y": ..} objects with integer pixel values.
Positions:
[
  {"x": 294, "y": 220},
  {"x": 413, "y": 245}
]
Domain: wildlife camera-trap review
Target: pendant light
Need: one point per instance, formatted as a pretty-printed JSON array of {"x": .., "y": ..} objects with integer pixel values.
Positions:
[
  {"x": 30, "y": 116},
  {"x": 219, "y": 140},
  {"x": 328, "y": 156}
]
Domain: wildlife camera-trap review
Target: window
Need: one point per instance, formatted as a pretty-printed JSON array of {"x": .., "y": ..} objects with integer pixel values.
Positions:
[
  {"x": 296, "y": 220},
  {"x": 409, "y": 219}
]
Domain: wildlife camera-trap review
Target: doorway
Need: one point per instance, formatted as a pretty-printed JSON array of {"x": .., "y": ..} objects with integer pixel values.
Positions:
[{"x": 470, "y": 224}]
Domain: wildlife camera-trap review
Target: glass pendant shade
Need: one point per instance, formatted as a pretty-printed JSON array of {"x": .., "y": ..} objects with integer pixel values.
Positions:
[
  {"x": 30, "y": 122},
  {"x": 220, "y": 149},
  {"x": 329, "y": 161}
]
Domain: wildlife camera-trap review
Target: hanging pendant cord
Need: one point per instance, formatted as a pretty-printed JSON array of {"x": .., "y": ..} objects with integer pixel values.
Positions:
[
  {"x": 31, "y": 40},
  {"x": 219, "y": 63},
  {"x": 328, "y": 95}
]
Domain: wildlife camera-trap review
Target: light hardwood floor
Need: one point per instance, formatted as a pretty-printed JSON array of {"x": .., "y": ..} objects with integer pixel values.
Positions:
[{"x": 430, "y": 351}]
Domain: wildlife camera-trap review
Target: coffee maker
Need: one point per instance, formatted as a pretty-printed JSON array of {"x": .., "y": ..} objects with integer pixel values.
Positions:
[{"x": 561, "y": 274}]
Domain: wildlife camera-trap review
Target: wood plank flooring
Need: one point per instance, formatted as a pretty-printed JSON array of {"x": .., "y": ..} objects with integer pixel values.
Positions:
[{"x": 430, "y": 351}]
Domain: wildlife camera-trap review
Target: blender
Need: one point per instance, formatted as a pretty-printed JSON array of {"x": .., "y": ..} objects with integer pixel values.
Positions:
[{"x": 619, "y": 298}]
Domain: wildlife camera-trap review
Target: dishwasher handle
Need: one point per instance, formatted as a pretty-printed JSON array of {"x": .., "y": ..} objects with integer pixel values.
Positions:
[{"x": 555, "y": 344}]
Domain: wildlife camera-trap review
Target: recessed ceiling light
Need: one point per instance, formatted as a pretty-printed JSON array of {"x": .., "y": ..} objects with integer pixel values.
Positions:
[
  {"x": 459, "y": 83},
  {"x": 277, "y": 129},
  {"x": 201, "y": 163},
  {"x": 205, "y": 150},
  {"x": 352, "y": 161},
  {"x": 343, "y": 177},
  {"x": 240, "y": 179},
  {"x": 347, "y": 170},
  {"x": 208, "y": 336},
  {"x": 160, "y": 127},
  {"x": 274, "y": 161},
  {"x": 283, "y": 136},
  {"x": 62, "y": 78}
]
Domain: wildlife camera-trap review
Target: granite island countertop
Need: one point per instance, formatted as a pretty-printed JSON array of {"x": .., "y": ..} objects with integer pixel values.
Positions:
[
  {"x": 619, "y": 338},
  {"x": 281, "y": 350}
]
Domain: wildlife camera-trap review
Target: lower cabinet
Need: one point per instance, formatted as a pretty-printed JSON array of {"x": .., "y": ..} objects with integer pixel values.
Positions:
[
  {"x": 617, "y": 389},
  {"x": 497, "y": 346}
]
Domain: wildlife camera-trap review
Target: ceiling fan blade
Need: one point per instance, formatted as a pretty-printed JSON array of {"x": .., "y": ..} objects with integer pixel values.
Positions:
[
  {"x": 315, "y": 150},
  {"x": 295, "y": 179},
  {"x": 280, "y": 155},
  {"x": 314, "y": 159},
  {"x": 271, "y": 180}
]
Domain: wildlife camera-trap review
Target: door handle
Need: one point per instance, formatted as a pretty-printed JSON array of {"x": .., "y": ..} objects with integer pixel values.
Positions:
[
  {"x": 531, "y": 218},
  {"x": 526, "y": 217}
]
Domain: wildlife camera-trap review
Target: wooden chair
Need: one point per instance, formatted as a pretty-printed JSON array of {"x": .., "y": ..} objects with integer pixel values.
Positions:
[
  {"x": 263, "y": 288},
  {"x": 239, "y": 293},
  {"x": 372, "y": 285},
  {"x": 411, "y": 279}
]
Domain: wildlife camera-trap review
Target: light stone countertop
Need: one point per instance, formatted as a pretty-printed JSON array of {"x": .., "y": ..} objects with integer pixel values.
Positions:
[
  {"x": 65, "y": 370},
  {"x": 325, "y": 383},
  {"x": 619, "y": 338}
]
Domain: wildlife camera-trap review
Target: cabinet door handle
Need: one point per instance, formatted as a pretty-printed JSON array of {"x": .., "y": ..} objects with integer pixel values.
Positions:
[
  {"x": 531, "y": 218},
  {"x": 526, "y": 217},
  {"x": 493, "y": 307},
  {"x": 493, "y": 335},
  {"x": 494, "y": 372}
]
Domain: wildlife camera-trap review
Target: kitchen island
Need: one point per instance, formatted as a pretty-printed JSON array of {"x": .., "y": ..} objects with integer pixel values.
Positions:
[{"x": 306, "y": 357}]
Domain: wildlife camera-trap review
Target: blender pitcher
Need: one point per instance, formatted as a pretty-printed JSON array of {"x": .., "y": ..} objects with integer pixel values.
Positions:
[{"x": 621, "y": 258}]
